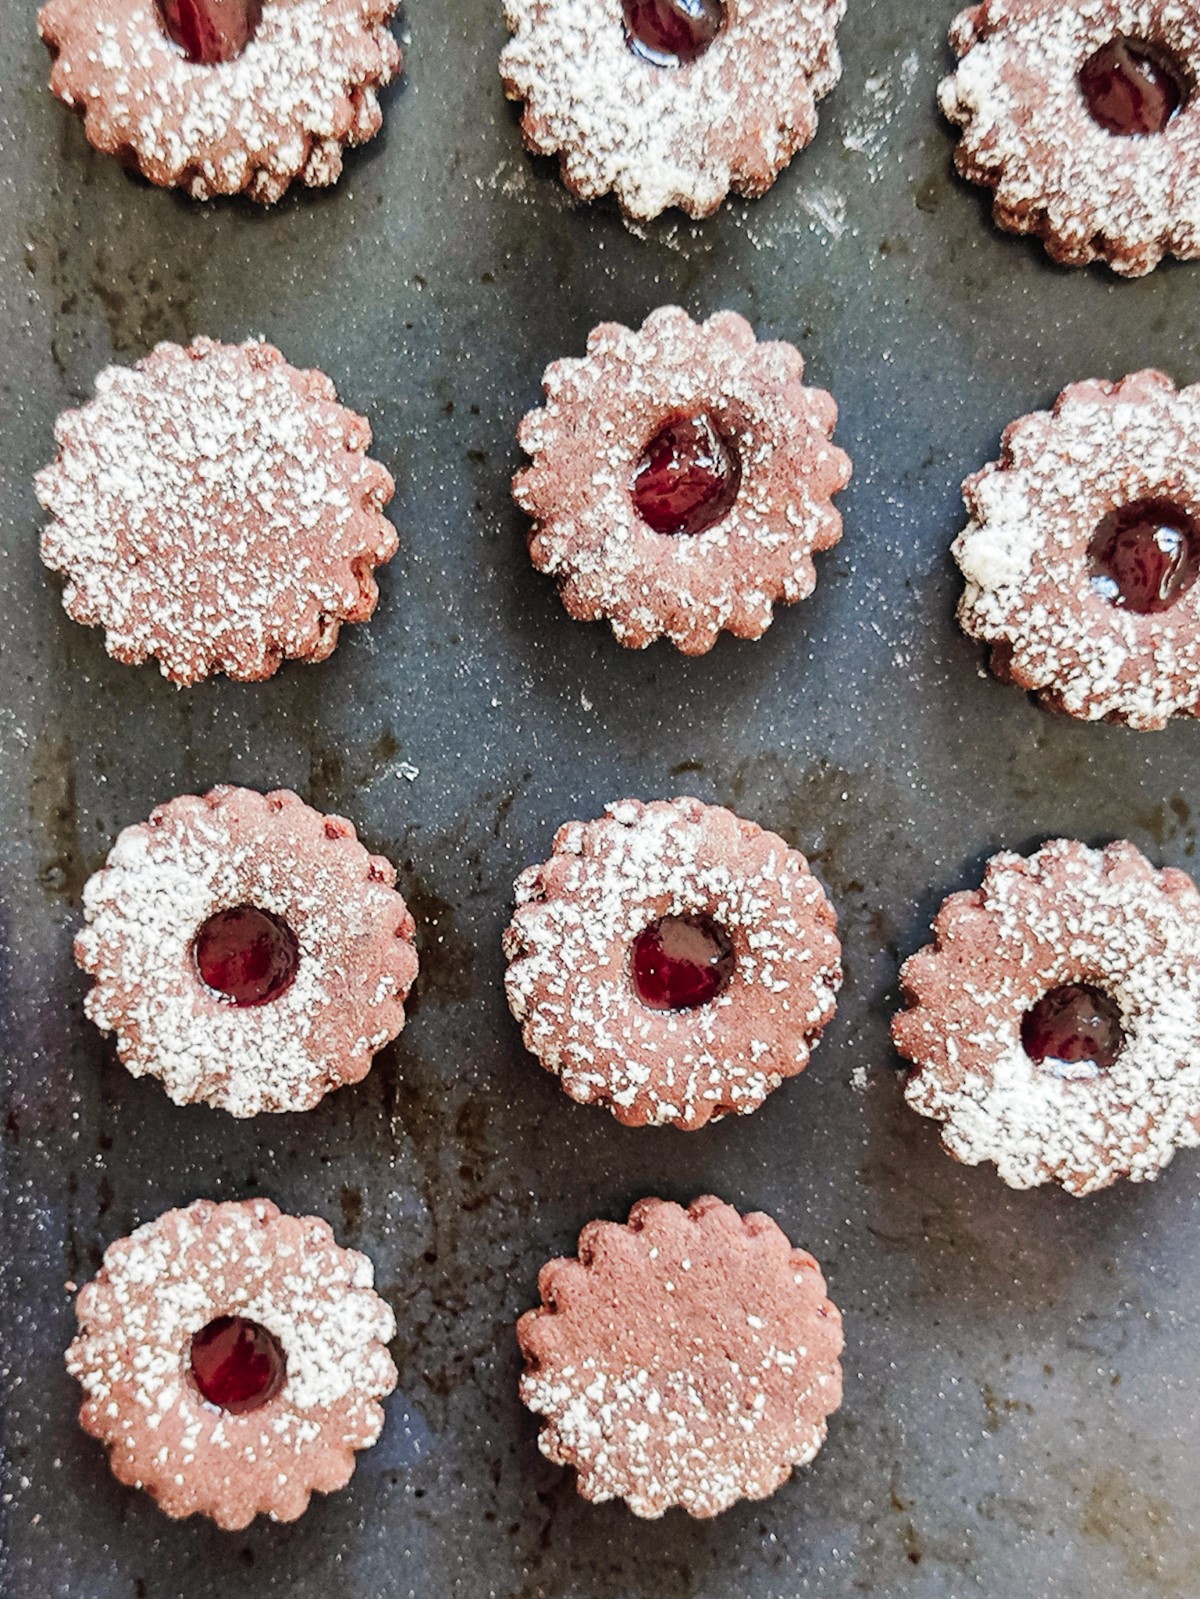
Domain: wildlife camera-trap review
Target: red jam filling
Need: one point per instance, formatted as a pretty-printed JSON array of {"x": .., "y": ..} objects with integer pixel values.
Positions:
[
  {"x": 246, "y": 954},
  {"x": 1132, "y": 87},
  {"x": 681, "y": 962},
  {"x": 688, "y": 477},
  {"x": 210, "y": 31},
  {"x": 1074, "y": 1031},
  {"x": 672, "y": 33},
  {"x": 237, "y": 1365},
  {"x": 1145, "y": 556}
]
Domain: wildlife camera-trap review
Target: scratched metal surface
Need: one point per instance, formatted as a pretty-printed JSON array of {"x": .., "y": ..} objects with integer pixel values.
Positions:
[{"x": 1020, "y": 1414}]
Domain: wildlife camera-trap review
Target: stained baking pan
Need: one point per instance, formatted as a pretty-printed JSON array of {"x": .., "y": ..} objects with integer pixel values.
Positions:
[{"x": 1020, "y": 1414}]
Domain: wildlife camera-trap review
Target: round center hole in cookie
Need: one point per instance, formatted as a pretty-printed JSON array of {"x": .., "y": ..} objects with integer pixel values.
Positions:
[
  {"x": 688, "y": 476},
  {"x": 236, "y": 1364},
  {"x": 1145, "y": 556},
  {"x": 1074, "y": 1031},
  {"x": 681, "y": 963},
  {"x": 672, "y": 33},
  {"x": 247, "y": 955},
  {"x": 1132, "y": 87},
  {"x": 210, "y": 31}
]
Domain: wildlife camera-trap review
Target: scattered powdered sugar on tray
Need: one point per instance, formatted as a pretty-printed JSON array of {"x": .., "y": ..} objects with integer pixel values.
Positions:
[
  {"x": 1025, "y": 553},
  {"x": 689, "y": 1358},
  {"x": 1067, "y": 914},
  {"x": 234, "y": 847},
  {"x": 215, "y": 508},
  {"x": 585, "y": 444},
  {"x": 305, "y": 85},
  {"x": 1028, "y": 134},
  {"x": 569, "y": 945},
  {"x": 167, "y": 1281},
  {"x": 670, "y": 136}
]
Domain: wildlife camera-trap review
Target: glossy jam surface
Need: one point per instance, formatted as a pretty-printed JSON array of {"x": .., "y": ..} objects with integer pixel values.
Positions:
[
  {"x": 672, "y": 33},
  {"x": 688, "y": 477},
  {"x": 1145, "y": 556},
  {"x": 681, "y": 962},
  {"x": 1132, "y": 87},
  {"x": 247, "y": 955},
  {"x": 237, "y": 1365},
  {"x": 1074, "y": 1031},
  {"x": 210, "y": 31}
]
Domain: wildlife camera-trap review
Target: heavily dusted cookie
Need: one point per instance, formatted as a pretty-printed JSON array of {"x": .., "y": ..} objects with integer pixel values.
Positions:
[
  {"x": 215, "y": 508},
  {"x": 681, "y": 479},
  {"x": 1083, "y": 549},
  {"x": 672, "y": 962},
  {"x": 1079, "y": 114},
  {"x": 247, "y": 951},
  {"x": 687, "y": 1358},
  {"x": 224, "y": 96},
  {"x": 1054, "y": 1024},
  {"x": 670, "y": 102},
  {"x": 232, "y": 1360}
]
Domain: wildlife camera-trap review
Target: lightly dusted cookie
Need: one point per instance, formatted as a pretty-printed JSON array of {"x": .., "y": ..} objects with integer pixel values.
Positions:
[
  {"x": 232, "y": 1360},
  {"x": 247, "y": 951},
  {"x": 1081, "y": 115},
  {"x": 672, "y": 962},
  {"x": 215, "y": 509},
  {"x": 224, "y": 96},
  {"x": 1054, "y": 1022},
  {"x": 1083, "y": 549},
  {"x": 681, "y": 479},
  {"x": 670, "y": 102},
  {"x": 686, "y": 1358}
]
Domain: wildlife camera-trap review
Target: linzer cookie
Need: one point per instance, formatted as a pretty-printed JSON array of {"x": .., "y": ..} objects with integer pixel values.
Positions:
[
  {"x": 232, "y": 1361},
  {"x": 1079, "y": 114},
  {"x": 247, "y": 951},
  {"x": 672, "y": 962},
  {"x": 688, "y": 1358},
  {"x": 215, "y": 508},
  {"x": 1054, "y": 1024},
  {"x": 224, "y": 96},
  {"x": 670, "y": 102},
  {"x": 1083, "y": 549},
  {"x": 681, "y": 479}
]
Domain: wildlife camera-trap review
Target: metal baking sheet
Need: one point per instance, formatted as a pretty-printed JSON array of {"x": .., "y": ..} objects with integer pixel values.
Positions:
[{"x": 1020, "y": 1414}]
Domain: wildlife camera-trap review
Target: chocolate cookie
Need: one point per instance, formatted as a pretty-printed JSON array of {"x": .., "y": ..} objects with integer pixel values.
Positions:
[
  {"x": 232, "y": 1360},
  {"x": 247, "y": 951},
  {"x": 681, "y": 479},
  {"x": 224, "y": 96},
  {"x": 1083, "y": 550},
  {"x": 215, "y": 508},
  {"x": 670, "y": 102},
  {"x": 1080, "y": 115},
  {"x": 689, "y": 1358},
  {"x": 672, "y": 962},
  {"x": 1054, "y": 1023}
]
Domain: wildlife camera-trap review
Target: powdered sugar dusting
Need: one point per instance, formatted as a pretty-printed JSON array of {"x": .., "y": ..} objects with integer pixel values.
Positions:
[
  {"x": 1067, "y": 914},
  {"x": 578, "y": 915},
  {"x": 1025, "y": 553},
  {"x": 304, "y": 86},
  {"x": 195, "y": 857},
  {"x": 690, "y": 1358},
  {"x": 215, "y": 508},
  {"x": 660, "y": 137},
  {"x": 160, "y": 1287},
  {"x": 1028, "y": 134},
  {"x": 586, "y": 441}
]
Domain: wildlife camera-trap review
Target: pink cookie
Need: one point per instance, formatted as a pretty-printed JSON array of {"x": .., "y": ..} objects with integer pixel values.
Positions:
[
  {"x": 672, "y": 962},
  {"x": 247, "y": 951},
  {"x": 689, "y": 1358},
  {"x": 232, "y": 1361}
]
